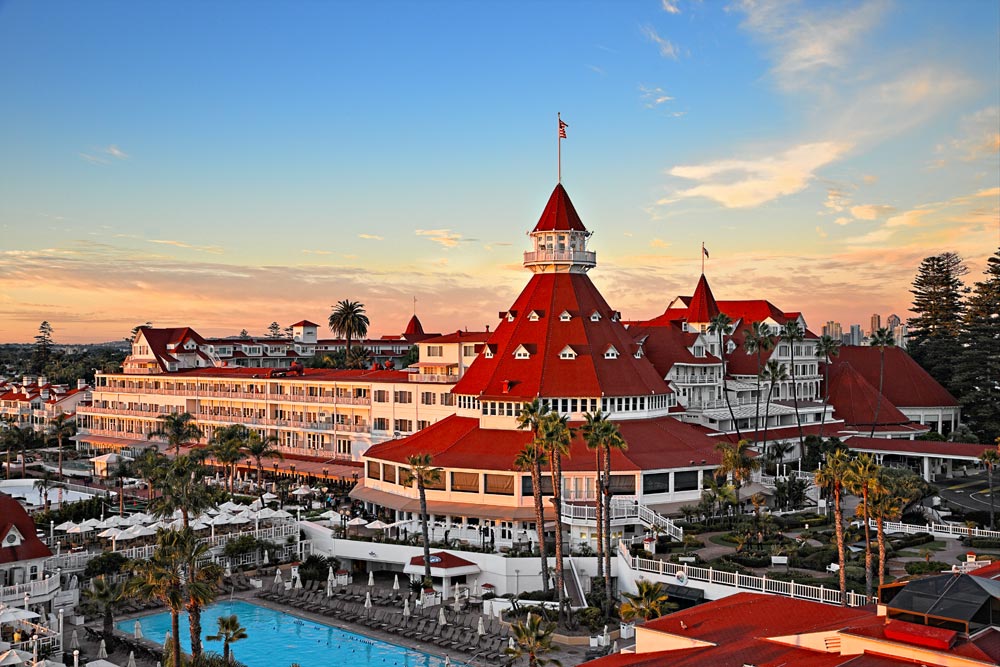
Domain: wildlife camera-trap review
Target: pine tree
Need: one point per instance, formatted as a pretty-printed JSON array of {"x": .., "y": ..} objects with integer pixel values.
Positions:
[
  {"x": 244, "y": 333},
  {"x": 935, "y": 330},
  {"x": 977, "y": 373},
  {"x": 43, "y": 348},
  {"x": 274, "y": 330}
]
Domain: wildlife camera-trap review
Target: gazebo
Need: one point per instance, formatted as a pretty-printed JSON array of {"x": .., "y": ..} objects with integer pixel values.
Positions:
[{"x": 445, "y": 566}]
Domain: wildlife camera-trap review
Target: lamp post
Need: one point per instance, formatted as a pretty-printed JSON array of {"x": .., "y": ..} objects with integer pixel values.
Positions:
[
  {"x": 344, "y": 513},
  {"x": 294, "y": 478}
]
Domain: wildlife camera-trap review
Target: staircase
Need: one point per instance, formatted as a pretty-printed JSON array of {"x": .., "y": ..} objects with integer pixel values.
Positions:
[
  {"x": 625, "y": 509},
  {"x": 574, "y": 587}
]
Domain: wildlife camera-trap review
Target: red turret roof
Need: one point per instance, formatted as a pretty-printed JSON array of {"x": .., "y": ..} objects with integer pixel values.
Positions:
[
  {"x": 414, "y": 327},
  {"x": 534, "y": 328},
  {"x": 12, "y": 515},
  {"x": 703, "y": 306},
  {"x": 559, "y": 214}
]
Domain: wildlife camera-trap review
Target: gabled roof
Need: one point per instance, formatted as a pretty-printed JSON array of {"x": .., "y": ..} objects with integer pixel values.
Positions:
[
  {"x": 460, "y": 337},
  {"x": 545, "y": 374},
  {"x": 855, "y": 400},
  {"x": 559, "y": 214},
  {"x": 305, "y": 323},
  {"x": 460, "y": 442},
  {"x": 703, "y": 306},
  {"x": 12, "y": 515},
  {"x": 159, "y": 338},
  {"x": 906, "y": 383},
  {"x": 665, "y": 346}
]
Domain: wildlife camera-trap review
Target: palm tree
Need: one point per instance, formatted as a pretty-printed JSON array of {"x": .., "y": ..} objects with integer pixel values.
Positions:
[
  {"x": 230, "y": 631},
  {"x": 182, "y": 489},
  {"x": 161, "y": 578},
  {"x": 862, "y": 479},
  {"x": 990, "y": 458},
  {"x": 227, "y": 447},
  {"x": 532, "y": 639},
  {"x": 774, "y": 373},
  {"x": 736, "y": 461},
  {"x": 757, "y": 340},
  {"x": 423, "y": 472},
  {"x": 595, "y": 430},
  {"x": 556, "y": 436},
  {"x": 150, "y": 467},
  {"x": 177, "y": 429},
  {"x": 200, "y": 577},
  {"x": 887, "y": 504},
  {"x": 121, "y": 472},
  {"x": 648, "y": 602},
  {"x": 60, "y": 427},
  {"x": 533, "y": 455},
  {"x": 105, "y": 595},
  {"x": 348, "y": 319},
  {"x": 259, "y": 447},
  {"x": 45, "y": 483},
  {"x": 792, "y": 333},
  {"x": 832, "y": 478},
  {"x": 614, "y": 441},
  {"x": 722, "y": 326},
  {"x": 778, "y": 452},
  {"x": 18, "y": 439},
  {"x": 880, "y": 338},
  {"x": 827, "y": 348}
]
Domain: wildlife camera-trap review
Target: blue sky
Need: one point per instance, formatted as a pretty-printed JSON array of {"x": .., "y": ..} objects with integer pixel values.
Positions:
[{"x": 231, "y": 163}]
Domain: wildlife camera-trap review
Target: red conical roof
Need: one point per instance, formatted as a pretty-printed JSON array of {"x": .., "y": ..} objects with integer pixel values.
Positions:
[
  {"x": 559, "y": 214},
  {"x": 703, "y": 306},
  {"x": 414, "y": 327}
]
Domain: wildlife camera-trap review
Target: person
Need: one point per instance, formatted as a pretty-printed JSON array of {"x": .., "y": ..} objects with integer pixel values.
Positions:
[{"x": 17, "y": 635}]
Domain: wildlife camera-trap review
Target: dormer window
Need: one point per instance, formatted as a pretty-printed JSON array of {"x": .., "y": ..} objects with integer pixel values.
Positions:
[
  {"x": 699, "y": 350},
  {"x": 511, "y": 315},
  {"x": 595, "y": 316},
  {"x": 13, "y": 538},
  {"x": 534, "y": 316},
  {"x": 638, "y": 353},
  {"x": 616, "y": 316},
  {"x": 487, "y": 352},
  {"x": 522, "y": 353},
  {"x": 611, "y": 352},
  {"x": 567, "y": 353},
  {"x": 565, "y": 316}
]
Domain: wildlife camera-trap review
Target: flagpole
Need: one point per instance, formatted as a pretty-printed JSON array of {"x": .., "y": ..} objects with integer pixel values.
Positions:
[
  {"x": 559, "y": 149},
  {"x": 702, "y": 258}
]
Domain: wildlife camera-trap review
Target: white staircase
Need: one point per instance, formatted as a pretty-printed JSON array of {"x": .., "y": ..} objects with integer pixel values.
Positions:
[{"x": 622, "y": 510}]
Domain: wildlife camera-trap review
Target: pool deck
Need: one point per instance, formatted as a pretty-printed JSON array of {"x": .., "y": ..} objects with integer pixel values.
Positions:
[{"x": 568, "y": 656}]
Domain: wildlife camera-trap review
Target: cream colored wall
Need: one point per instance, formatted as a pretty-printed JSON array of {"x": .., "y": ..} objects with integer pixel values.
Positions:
[{"x": 650, "y": 641}]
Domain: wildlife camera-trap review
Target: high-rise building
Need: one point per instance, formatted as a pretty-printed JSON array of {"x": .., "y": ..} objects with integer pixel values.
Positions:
[
  {"x": 833, "y": 329},
  {"x": 876, "y": 323},
  {"x": 893, "y": 322},
  {"x": 856, "y": 334}
]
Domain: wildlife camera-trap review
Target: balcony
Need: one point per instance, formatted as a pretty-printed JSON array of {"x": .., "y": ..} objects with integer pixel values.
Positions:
[
  {"x": 433, "y": 377},
  {"x": 695, "y": 379},
  {"x": 584, "y": 257},
  {"x": 39, "y": 591}
]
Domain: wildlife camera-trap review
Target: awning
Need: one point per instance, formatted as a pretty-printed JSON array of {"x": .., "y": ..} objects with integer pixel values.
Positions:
[
  {"x": 684, "y": 592},
  {"x": 440, "y": 508},
  {"x": 443, "y": 564},
  {"x": 119, "y": 443}
]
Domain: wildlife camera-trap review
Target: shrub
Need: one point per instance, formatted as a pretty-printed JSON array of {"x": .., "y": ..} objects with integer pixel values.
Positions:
[
  {"x": 984, "y": 542},
  {"x": 238, "y": 546},
  {"x": 591, "y": 617},
  {"x": 539, "y": 595},
  {"x": 750, "y": 559},
  {"x": 109, "y": 562},
  {"x": 922, "y": 567}
]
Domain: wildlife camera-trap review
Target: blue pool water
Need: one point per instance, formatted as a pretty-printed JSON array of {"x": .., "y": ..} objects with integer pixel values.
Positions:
[{"x": 277, "y": 639}]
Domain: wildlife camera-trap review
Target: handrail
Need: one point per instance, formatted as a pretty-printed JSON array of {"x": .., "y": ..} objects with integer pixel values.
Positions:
[
  {"x": 627, "y": 510},
  {"x": 936, "y": 528}
]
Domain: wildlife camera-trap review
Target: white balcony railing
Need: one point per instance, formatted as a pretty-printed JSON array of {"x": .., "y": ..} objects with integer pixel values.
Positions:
[{"x": 562, "y": 257}]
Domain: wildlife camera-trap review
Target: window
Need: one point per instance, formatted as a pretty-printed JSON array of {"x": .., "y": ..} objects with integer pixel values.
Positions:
[
  {"x": 403, "y": 425},
  {"x": 656, "y": 483},
  {"x": 521, "y": 353},
  {"x": 526, "y": 489},
  {"x": 402, "y": 396},
  {"x": 465, "y": 482},
  {"x": 686, "y": 480},
  {"x": 381, "y": 396},
  {"x": 534, "y": 316},
  {"x": 565, "y": 316},
  {"x": 468, "y": 350},
  {"x": 595, "y": 316},
  {"x": 380, "y": 424},
  {"x": 500, "y": 485},
  {"x": 343, "y": 446},
  {"x": 374, "y": 470},
  {"x": 422, "y": 424},
  {"x": 435, "y": 350},
  {"x": 611, "y": 352},
  {"x": 428, "y": 398},
  {"x": 567, "y": 353},
  {"x": 447, "y": 399}
]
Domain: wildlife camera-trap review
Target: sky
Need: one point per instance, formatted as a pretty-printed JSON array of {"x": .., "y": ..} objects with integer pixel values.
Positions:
[{"x": 223, "y": 165}]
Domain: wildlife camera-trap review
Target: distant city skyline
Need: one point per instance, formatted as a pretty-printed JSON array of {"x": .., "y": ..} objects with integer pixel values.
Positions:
[{"x": 226, "y": 165}]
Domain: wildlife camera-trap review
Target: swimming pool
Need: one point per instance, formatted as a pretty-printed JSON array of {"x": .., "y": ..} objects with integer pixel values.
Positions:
[{"x": 277, "y": 639}]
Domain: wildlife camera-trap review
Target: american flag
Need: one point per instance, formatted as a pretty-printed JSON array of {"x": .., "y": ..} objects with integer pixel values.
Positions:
[
  {"x": 704, "y": 250},
  {"x": 562, "y": 129}
]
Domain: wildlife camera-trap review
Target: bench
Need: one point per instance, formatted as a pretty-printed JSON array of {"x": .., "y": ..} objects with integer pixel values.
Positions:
[
  {"x": 833, "y": 567},
  {"x": 779, "y": 560}
]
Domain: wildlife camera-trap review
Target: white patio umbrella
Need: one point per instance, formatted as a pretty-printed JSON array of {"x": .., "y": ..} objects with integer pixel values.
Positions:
[
  {"x": 269, "y": 497},
  {"x": 77, "y": 530},
  {"x": 442, "y": 620},
  {"x": 298, "y": 581},
  {"x": 329, "y": 514},
  {"x": 277, "y": 576},
  {"x": 265, "y": 557},
  {"x": 102, "y": 650},
  {"x": 488, "y": 608},
  {"x": 91, "y": 524},
  {"x": 137, "y": 631},
  {"x": 239, "y": 520},
  {"x": 371, "y": 578},
  {"x": 109, "y": 532},
  {"x": 101, "y": 662},
  {"x": 605, "y": 637},
  {"x": 266, "y": 513},
  {"x": 330, "y": 576},
  {"x": 511, "y": 644},
  {"x": 481, "y": 628},
  {"x": 356, "y": 521},
  {"x": 220, "y": 520},
  {"x": 14, "y": 657},
  {"x": 406, "y": 608},
  {"x": 302, "y": 491},
  {"x": 131, "y": 659},
  {"x": 395, "y": 583},
  {"x": 281, "y": 514},
  {"x": 475, "y": 588},
  {"x": 368, "y": 600},
  {"x": 74, "y": 640},
  {"x": 458, "y": 602},
  {"x": 377, "y": 524},
  {"x": 65, "y": 525},
  {"x": 11, "y": 614},
  {"x": 614, "y": 647}
]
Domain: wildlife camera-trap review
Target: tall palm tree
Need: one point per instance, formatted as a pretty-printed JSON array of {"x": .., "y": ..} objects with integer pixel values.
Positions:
[
  {"x": 792, "y": 333},
  {"x": 422, "y": 471},
  {"x": 774, "y": 373},
  {"x": 348, "y": 319},
  {"x": 150, "y": 466},
  {"x": 183, "y": 489},
  {"x": 832, "y": 477},
  {"x": 532, "y": 639},
  {"x": 45, "y": 483},
  {"x": 61, "y": 427},
  {"x": 19, "y": 440},
  {"x": 105, "y": 595},
  {"x": 177, "y": 429},
  {"x": 119, "y": 473},
  {"x": 880, "y": 338},
  {"x": 722, "y": 325},
  {"x": 827, "y": 348},
  {"x": 595, "y": 430},
  {"x": 534, "y": 454},
  {"x": 227, "y": 447},
  {"x": 757, "y": 340},
  {"x": 258, "y": 448},
  {"x": 886, "y": 504},
  {"x": 200, "y": 577},
  {"x": 648, "y": 602},
  {"x": 617, "y": 442},
  {"x": 161, "y": 578},
  {"x": 777, "y": 454},
  {"x": 737, "y": 461},
  {"x": 230, "y": 632},
  {"x": 556, "y": 436},
  {"x": 863, "y": 480},
  {"x": 990, "y": 458}
]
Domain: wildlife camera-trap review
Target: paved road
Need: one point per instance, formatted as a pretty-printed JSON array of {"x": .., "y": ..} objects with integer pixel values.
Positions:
[{"x": 970, "y": 492}]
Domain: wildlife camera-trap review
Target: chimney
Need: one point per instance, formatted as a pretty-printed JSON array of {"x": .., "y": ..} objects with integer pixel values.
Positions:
[
  {"x": 42, "y": 380},
  {"x": 45, "y": 394}
]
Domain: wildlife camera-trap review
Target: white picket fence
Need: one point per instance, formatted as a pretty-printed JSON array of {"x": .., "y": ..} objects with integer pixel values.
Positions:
[
  {"x": 937, "y": 529},
  {"x": 741, "y": 582}
]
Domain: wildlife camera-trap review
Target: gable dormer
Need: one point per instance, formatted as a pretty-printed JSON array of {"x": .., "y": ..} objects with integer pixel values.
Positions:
[
  {"x": 489, "y": 350},
  {"x": 535, "y": 315},
  {"x": 12, "y": 538},
  {"x": 616, "y": 316},
  {"x": 565, "y": 316},
  {"x": 567, "y": 353},
  {"x": 611, "y": 352},
  {"x": 511, "y": 315},
  {"x": 595, "y": 316},
  {"x": 522, "y": 352}
]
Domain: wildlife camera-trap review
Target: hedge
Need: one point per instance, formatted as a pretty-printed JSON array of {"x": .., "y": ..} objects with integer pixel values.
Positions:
[{"x": 923, "y": 567}]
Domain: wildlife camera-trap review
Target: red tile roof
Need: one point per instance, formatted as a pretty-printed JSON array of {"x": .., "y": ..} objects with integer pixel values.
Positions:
[
  {"x": 459, "y": 442},
  {"x": 559, "y": 214},
  {"x": 13, "y": 515},
  {"x": 916, "y": 447},
  {"x": 460, "y": 337},
  {"x": 544, "y": 373},
  {"x": 305, "y": 323},
  {"x": 906, "y": 383},
  {"x": 446, "y": 561},
  {"x": 413, "y": 327},
  {"x": 667, "y": 345},
  {"x": 855, "y": 400},
  {"x": 702, "y": 307}
]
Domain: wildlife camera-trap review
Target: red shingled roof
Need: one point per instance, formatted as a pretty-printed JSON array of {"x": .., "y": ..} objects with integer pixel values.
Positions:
[
  {"x": 459, "y": 442},
  {"x": 305, "y": 323},
  {"x": 702, "y": 307},
  {"x": 413, "y": 327},
  {"x": 159, "y": 338},
  {"x": 13, "y": 515},
  {"x": 447, "y": 561},
  {"x": 906, "y": 383},
  {"x": 916, "y": 447},
  {"x": 460, "y": 337},
  {"x": 854, "y": 399},
  {"x": 544, "y": 373},
  {"x": 667, "y": 345},
  {"x": 559, "y": 214}
]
